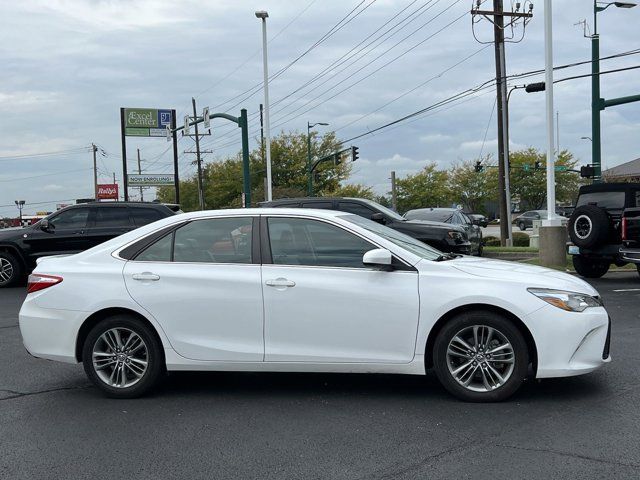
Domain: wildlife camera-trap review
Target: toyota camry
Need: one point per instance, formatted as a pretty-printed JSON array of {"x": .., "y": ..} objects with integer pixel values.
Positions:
[{"x": 306, "y": 290}]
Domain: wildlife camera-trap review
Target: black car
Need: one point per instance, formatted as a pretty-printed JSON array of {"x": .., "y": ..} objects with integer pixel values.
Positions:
[
  {"x": 443, "y": 236},
  {"x": 525, "y": 220},
  {"x": 478, "y": 219},
  {"x": 453, "y": 216},
  {"x": 71, "y": 230}
]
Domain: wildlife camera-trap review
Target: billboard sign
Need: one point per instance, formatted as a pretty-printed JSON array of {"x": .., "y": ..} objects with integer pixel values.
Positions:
[
  {"x": 146, "y": 122},
  {"x": 108, "y": 191},
  {"x": 151, "y": 180}
]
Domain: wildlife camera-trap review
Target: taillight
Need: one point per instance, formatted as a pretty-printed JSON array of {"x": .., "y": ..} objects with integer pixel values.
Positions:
[
  {"x": 39, "y": 282},
  {"x": 624, "y": 228}
]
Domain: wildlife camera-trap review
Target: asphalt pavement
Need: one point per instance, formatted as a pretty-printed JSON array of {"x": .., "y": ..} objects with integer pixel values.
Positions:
[{"x": 54, "y": 425}]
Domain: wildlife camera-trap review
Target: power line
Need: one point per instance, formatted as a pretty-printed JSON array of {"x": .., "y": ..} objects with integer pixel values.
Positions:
[
  {"x": 45, "y": 154},
  {"x": 45, "y": 175}
]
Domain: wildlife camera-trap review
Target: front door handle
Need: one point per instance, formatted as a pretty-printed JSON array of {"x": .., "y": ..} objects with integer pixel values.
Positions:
[
  {"x": 146, "y": 276},
  {"x": 280, "y": 282}
]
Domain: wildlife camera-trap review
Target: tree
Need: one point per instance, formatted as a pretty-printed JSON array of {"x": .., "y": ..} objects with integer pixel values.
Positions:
[
  {"x": 222, "y": 179},
  {"x": 530, "y": 184},
  {"x": 427, "y": 188},
  {"x": 473, "y": 189},
  {"x": 356, "y": 190}
]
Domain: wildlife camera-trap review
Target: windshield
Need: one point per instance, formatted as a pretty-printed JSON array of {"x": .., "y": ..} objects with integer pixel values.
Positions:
[
  {"x": 428, "y": 214},
  {"x": 385, "y": 210},
  {"x": 405, "y": 241}
]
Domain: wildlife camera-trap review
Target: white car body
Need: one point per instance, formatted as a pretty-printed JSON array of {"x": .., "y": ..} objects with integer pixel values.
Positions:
[{"x": 244, "y": 317}]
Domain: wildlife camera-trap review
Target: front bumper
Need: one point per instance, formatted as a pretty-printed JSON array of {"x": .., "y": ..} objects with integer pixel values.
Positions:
[{"x": 570, "y": 343}]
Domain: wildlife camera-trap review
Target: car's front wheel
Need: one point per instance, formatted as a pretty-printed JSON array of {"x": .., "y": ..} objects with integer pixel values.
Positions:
[
  {"x": 122, "y": 357},
  {"x": 480, "y": 357}
]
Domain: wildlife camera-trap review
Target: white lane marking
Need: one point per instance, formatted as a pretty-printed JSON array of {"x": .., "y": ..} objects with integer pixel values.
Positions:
[{"x": 628, "y": 290}]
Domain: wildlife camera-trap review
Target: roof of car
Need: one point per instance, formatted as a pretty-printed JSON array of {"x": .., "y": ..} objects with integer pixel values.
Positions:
[
  {"x": 119, "y": 204},
  {"x": 308, "y": 199},
  {"x": 609, "y": 187},
  {"x": 264, "y": 211},
  {"x": 435, "y": 209}
]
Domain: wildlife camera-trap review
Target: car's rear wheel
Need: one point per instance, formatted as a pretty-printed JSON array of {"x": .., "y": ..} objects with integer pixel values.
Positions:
[
  {"x": 480, "y": 357},
  {"x": 590, "y": 267},
  {"x": 122, "y": 357},
  {"x": 11, "y": 270}
]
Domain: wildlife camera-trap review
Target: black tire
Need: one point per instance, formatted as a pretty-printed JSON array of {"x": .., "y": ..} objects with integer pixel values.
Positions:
[
  {"x": 154, "y": 357},
  {"x": 11, "y": 270},
  {"x": 522, "y": 226},
  {"x": 507, "y": 329},
  {"x": 590, "y": 267},
  {"x": 589, "y": 226}
]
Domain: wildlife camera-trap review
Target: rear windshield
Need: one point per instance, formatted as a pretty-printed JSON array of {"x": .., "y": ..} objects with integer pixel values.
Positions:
[
  {"x": 435, "y": 215},
  {"x": 612, "y": 200}
]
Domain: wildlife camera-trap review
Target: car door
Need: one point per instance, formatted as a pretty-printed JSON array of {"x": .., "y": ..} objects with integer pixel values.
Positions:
[
  {"x": 323, "y": 305},
  {"x": 202, "y": 284},
  {"x": 66, "y": 234},
  {"x": 108, "y": 222}
]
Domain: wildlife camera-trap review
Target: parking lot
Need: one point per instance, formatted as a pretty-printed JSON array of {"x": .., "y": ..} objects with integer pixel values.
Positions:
[{"x": 233, "y": 425}]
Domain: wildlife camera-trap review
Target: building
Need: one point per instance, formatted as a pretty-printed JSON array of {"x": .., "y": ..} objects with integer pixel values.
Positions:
[{"x": 627, "y": 172}]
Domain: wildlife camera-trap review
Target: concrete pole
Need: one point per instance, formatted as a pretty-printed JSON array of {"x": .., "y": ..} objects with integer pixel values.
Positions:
[{"x": 267, "y": 125}]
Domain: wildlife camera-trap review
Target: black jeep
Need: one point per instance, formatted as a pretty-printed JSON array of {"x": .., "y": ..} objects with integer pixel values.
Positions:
[{"x": 596, "y": 227}]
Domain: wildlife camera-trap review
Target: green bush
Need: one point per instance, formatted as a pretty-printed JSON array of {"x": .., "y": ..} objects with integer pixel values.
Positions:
[
  {"x": 491, "y": 241},
  {"x": 520, "y": 239}
]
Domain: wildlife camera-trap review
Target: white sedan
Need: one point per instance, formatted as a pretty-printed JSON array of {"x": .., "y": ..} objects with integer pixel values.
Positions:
[{"x": 306, "y": 290}]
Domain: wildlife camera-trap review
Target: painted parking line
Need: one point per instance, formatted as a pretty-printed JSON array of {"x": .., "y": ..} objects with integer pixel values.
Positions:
[{"x": 628, "y": 290}]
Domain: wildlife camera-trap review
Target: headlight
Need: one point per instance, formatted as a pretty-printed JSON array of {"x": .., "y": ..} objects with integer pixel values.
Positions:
[
  {"x": 455, "y": 235},
  {"x": 569, "y": 301}
]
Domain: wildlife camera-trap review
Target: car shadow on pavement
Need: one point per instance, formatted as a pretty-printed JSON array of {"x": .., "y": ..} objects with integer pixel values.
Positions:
[{"x": 303, "y": 385}]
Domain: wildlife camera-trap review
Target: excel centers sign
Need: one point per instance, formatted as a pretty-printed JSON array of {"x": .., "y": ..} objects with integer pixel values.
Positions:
[{"x": 146, "y": 122}]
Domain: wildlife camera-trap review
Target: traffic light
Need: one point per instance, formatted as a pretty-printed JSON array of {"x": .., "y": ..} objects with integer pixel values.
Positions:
[
  {"x": 587, "y": 172},
  {"x": 478, "y": 168},
  {"x": 537, "y": 165},
  {"x": 354, "y": 154},
  {"x": 535, "y": 87}
]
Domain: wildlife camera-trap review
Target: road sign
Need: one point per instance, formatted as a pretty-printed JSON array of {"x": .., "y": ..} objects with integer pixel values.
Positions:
[
  {"x": 560, "y": 168},
  {"x": 150, "y": 180},
  {"x": 146, "y": 122},
  {"x": 206, "y": 119},
  {"x": 108, "y": 191},
  {"x": 187, "y": 128},
  {"x": 169, "y": 135}
]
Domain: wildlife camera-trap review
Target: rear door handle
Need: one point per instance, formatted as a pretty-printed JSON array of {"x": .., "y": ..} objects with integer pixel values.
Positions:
[
  {"x": 280, "y": 282},
  {"x": 146, "y": 276}
]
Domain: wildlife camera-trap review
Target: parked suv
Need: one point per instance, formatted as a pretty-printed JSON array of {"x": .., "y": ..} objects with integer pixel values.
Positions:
[
  {"x": 71, "y": 230},
  {"x": 443, "y": 236},
  {"x": 602, "y": 224}
]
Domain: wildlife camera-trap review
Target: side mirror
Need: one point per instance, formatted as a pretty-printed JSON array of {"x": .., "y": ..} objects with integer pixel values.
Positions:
[
  {"x": 378, "y": 217},
  {"x": 45, "y": 226},
  {"x": 378, "y": 257}
]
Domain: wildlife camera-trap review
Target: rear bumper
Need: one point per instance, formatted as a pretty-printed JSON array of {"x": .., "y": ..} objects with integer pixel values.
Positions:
[
  {"x": 570, "y": 343},
  {"x": 631, "y": 255},
  {"x": 50, "y": 333}
]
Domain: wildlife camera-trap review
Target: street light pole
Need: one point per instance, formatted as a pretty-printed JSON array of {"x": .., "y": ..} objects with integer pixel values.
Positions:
[
  {"x": 309, "y": 164},
  {"x": 20, "y": 204},
  {"x": 597, "y": 103},
  {"x": 263, "y": 15},
  {"x": 551, "y": 177}
]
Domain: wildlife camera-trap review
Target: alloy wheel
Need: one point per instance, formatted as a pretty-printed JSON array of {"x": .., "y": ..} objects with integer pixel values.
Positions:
[
  {"x": 120, "y": 357},
  {"x": 6, "y": 270},
  {"x": 480, "y": 358},
  {"x": 583, "y": 227}
]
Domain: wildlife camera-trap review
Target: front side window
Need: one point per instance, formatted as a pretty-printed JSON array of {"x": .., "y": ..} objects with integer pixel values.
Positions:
[
  {"x": 300, "y": 241},
  {"x": 215, "y": 240},
  {"x": 73, "y": 218}
]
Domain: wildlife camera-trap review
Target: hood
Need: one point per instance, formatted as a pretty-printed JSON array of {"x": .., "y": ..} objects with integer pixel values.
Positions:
[
  {"x": 532, "y": 275},
  {"x": 11, "y": 233},
  {"x": 430, "y": 224}
]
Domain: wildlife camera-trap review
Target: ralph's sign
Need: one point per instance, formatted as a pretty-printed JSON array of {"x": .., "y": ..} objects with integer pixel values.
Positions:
[{"x": 108, "y": 191}]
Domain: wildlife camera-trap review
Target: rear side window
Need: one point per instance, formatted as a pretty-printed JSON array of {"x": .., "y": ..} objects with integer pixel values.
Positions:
[
  {"x": 112, "y": 217},
  {"x": 143, "y": 216},
  {"x": 322, "y": 205},
  {"x": 612, "y": 200},
  {"x": 159, "y": 251},
  {"x": 356, "y": 209},
  {"x": 72, "y": 218},
  {"x": 218, "y": 240}
]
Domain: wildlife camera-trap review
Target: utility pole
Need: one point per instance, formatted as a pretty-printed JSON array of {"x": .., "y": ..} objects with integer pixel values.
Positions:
[
  {"x": 497, "y": 17},
  {"x": 94, "y": 149},
  {"x": 199, "y": 160},
  {"x": 266, "y": 196},
  {"x": 140, "y": 173},
  {"x": 394, "y": 197}
]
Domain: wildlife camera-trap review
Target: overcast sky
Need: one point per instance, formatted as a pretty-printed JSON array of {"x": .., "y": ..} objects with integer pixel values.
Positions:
[{"x": 68, "y": 66}]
